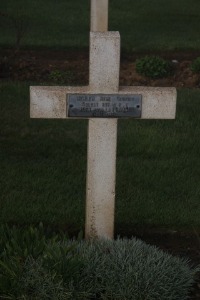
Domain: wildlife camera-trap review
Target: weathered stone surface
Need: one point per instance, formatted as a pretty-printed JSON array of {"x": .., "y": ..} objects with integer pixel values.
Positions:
[
  {"x": 157, "y": 102},
  {"x": 99, "y": 15},
  {"x": 101, "y": 169},
  {"x": 102, "y": 138},
  {"x": 50, "y": 102},
  {"x": 104, "y": 62}
]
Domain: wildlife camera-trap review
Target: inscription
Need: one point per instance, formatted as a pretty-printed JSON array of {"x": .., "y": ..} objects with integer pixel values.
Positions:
[{"x": 104, "y": 106}]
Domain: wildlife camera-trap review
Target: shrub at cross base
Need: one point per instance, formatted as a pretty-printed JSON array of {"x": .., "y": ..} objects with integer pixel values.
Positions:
[{"x": 34, "y": 266}]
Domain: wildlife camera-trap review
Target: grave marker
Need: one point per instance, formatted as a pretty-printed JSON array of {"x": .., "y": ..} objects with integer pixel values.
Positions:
[{"x": 103, "y": 102}]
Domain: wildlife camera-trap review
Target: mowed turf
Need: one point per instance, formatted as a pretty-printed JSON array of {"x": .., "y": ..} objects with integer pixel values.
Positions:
[
  {"x": 143, "y": 24},
  {"x": 43, "y": 166}
]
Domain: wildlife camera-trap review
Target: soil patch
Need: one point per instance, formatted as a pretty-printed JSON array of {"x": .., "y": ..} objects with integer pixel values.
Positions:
[{"x": 67, "y": 67}]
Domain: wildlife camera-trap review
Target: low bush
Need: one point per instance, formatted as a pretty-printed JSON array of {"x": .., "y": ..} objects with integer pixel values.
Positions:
[
  {"x": 153, "y": 67},
  {"x": 195, "y": 65},
  {"x": 131, "y": 269},
  {"x": 64, "y": 269}
]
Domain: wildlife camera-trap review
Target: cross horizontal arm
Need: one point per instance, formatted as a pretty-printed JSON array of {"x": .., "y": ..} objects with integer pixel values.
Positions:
[{"x": 51, "y": 102}]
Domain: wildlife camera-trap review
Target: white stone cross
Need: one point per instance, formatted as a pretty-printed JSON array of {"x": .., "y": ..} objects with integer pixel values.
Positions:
[{"x": 53, "y": 102}]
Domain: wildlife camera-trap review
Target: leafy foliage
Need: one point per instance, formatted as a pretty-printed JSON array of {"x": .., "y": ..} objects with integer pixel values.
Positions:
[
  {"x": 40, "y": 283},
  {"x": 17, "y": 246},
  {"x": 34, "y": 266},
  {"x": 153, "y": 67},
  {"x": 195, "y": 66}
]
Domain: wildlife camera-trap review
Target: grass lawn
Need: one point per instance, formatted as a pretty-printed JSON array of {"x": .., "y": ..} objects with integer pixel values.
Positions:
[
  {"x": 143, "y": 24},
  {"x": 43, "y": 162},
  {"x": 43, "y": 166}
]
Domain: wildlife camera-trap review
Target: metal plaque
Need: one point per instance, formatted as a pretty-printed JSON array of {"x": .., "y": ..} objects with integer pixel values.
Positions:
[{"x": 104, "y": 106}]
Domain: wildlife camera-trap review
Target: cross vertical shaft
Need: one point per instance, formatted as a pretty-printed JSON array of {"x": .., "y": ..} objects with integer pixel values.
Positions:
[
  {"x": 99, "y": 15},
  {"x": 102, "y": 133},
  {"x": 54, "y": 102}
]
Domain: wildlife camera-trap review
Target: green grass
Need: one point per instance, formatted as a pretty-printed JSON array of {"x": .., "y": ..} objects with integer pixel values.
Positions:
[
  {"x": 43, "y": 166},
  {"x": 143, "y": 24}
]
